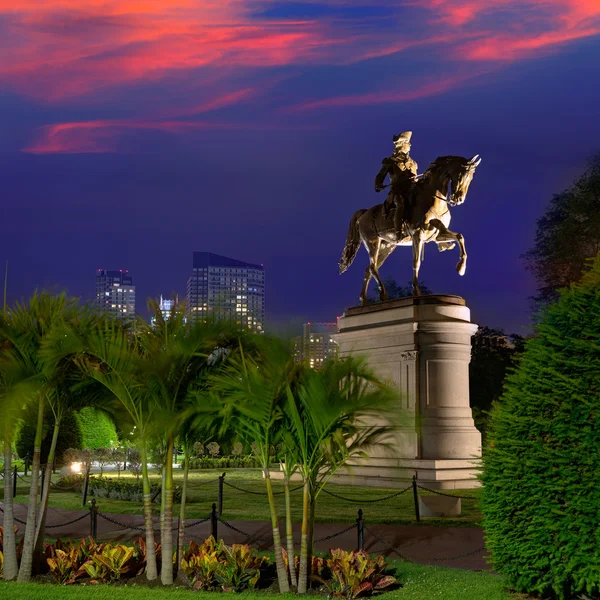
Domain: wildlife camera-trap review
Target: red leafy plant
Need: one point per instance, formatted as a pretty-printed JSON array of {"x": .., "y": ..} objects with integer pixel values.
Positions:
[{"x": 355, "y": 574}]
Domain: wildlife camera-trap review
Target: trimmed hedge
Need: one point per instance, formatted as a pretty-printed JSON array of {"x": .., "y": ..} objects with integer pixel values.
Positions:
[
  {"x": 541, "y": 495},
  {"x": 115, "y": 489},
  {"x": 98, "y": 429},
  {"x": 225, "y": 462}
]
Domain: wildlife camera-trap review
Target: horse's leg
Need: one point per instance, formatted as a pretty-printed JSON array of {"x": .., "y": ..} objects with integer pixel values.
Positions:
[
  {"x": 445, "y": 236},
  {"x": 369, "y": 247},
  {"x": 385, "y": 249},
  {"x": 417, "y": 245}
]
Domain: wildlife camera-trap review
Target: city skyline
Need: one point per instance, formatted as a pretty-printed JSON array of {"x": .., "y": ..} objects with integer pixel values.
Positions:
[{"x": 135, "y": 133}]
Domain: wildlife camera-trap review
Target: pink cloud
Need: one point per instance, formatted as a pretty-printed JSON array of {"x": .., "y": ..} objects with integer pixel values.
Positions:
[{"x": 422, "y": 90}]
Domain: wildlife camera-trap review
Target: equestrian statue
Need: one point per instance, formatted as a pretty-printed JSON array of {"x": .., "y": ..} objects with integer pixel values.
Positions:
[{"x": 416, "y": 211}]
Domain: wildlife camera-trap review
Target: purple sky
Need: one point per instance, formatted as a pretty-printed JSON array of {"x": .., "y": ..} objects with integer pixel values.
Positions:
[{"x": 133, "y": 134}]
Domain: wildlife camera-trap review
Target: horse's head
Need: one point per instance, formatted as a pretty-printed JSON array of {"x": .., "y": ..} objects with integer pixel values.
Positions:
[{"x": 461, "y": 174}]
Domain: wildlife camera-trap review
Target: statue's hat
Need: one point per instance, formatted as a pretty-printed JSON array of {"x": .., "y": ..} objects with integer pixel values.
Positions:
[{"x": 402, "y": 137}]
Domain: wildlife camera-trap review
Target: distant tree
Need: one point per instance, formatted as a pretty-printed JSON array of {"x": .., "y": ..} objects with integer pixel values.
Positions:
[
  {"x": 567, "y": 235},
  {"x": 97, "y": 427},
  {"x": 540, "y": 494},
  {"x": 70, "y": 436},
  {"x": 395, "y": 291},
  {"x": 493, "y": 352}
]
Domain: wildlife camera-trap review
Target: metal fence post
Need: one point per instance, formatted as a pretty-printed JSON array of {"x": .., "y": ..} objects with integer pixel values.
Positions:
[
  {"x": 214, "y": 521},
  {"x": 26, "y": 465},
  {"x": 94, "y": 519},
  {"x": 360, "y": 526},
  {"x": 220, "y": 497},
  {"x": 416, "y": 498},
  {"x": 84, "y": 489}
]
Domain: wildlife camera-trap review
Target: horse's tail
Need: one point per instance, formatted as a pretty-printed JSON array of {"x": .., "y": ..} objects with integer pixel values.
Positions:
[{"x": 352, "y": 241}]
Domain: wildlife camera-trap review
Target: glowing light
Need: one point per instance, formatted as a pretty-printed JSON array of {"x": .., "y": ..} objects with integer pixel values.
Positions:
[{"x": 75, "y": 467}]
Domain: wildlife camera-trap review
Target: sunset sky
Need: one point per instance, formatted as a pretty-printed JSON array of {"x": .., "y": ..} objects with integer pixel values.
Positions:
[{"x": 136, "y": 131}]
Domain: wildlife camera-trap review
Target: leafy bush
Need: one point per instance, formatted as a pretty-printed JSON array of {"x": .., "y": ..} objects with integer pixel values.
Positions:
[
  {"x": 225, "y": 462},
  {"x": 116, "y": 489},
  {"x": 69, "y": 436},
  {"x": 97, "y": 428},
  {"x": 213, "y": 449},
  {"x": 69, "y": 562},
  {"x": 356, "y": 574},
  {"x": 216, "y": 566},
  {"x": 541, "y": 495}
]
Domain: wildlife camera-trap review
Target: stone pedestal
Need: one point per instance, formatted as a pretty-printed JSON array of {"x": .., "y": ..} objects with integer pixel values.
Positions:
[{"x": 421, "y": 345}]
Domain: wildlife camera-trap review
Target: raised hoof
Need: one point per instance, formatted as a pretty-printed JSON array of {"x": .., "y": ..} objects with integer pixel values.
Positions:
[{"x": 461, "y": 267}]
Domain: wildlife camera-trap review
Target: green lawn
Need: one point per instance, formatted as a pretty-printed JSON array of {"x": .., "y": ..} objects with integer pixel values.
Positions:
[
  {"x": 418, "y": 582},
  {"x": 239, "y": 505}
]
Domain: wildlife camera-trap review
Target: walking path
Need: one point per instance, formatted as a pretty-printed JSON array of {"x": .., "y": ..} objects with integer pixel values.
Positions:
[{"x": 458, "y": 547}]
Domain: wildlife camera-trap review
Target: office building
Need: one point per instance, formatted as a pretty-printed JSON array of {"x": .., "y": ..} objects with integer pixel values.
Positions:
[
  {"x": 316, "y": 344},
  {"x": 224, "y": 288},
  {"x": 166, "y": 305},
  {"x": 115, "y": 294}
]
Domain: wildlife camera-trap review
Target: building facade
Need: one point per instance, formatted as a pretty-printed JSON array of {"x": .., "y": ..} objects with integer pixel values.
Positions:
[
  {"x": 227, "y": 289},
  {"x": 316, "y": 344},
  {"x": 166, "y": 305},
  {"x": 115, "y": 294}
]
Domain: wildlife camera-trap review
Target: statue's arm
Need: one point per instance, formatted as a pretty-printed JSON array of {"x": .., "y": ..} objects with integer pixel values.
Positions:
[{"x": 380, "y": 177}]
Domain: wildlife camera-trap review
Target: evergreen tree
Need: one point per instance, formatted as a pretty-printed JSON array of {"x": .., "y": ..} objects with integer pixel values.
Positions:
[
  {"x": 567, "y": 235},
  {"x": 541, "y": 496}
]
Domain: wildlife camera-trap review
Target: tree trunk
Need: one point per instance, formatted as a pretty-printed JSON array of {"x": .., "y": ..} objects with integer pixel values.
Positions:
[
  {"x": 181, "y": 530},
  {"x": 10, "y": 550},
  {"x": 40, "y": 532},
  {"x": 303, "y": 571},
  {"x": 166, "y": 572},
  {"x": 284, "y": 585},
  {"x": 311, "y": 532},
  {"x": 29, "y": 539},
  {"x": 151, "y": 570},
  {"x": 162, "y": 503},
  {"x": 289, "y": 533}
]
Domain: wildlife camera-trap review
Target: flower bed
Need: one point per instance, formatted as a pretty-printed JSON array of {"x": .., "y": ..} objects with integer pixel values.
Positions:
[{"x": 211, "y": 566}]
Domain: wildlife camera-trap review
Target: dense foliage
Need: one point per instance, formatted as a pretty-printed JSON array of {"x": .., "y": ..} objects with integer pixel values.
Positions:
[
  {"x": 97, "y": 428},
  {"x": 492, "y": 354},
  {"x": 541, "y": 492},
  {"x": 567, "y": 234},
  {"x": 395, "y": 291},
  {"x": 70, "y": 436},
  {"x": 225, "y": 462}
]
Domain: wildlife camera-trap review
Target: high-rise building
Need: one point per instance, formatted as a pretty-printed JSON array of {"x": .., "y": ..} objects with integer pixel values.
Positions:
[
  {"x": 115, "y": 294},
  {"x": 316, "y": 344},
  {"x": 226, "y": 289},
  {"x": 166, "y": 305}
]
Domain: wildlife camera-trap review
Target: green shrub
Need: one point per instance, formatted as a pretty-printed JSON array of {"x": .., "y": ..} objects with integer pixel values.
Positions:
[
  {"x": 541, "y": 494},
  {"x": 215, "y": 566},
  {"x": 98, "y": 428},
  {"x": 115, "y": 489},
  {"x": 225, "y": 462},
  {"x": 69, "y": 436},
  {"x": 354, "y": 574}
]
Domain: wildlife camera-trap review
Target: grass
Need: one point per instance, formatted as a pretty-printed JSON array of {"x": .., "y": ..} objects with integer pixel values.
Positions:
[
  {"x": 418, "y": 582},
  {"x": 238, "y": 505}
]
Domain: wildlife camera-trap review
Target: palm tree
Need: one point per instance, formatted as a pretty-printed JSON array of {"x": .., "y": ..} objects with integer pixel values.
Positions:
[
  {"x": 177, "y": 359},
  {"x": 332, "y": 416},
  {"x": 14, "y": 393},
  {"x": 252, "y": 390},
  {"x": 111, "y": 355},
  {"x": 26, "y": 326}
]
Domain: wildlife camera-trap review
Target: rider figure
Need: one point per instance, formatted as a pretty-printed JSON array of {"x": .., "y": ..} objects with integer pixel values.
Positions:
[{"x": 402, "y": 170}]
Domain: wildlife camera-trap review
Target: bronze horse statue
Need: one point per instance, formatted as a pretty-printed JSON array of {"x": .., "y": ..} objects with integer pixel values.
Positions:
[{"x": 427, "y": 219}]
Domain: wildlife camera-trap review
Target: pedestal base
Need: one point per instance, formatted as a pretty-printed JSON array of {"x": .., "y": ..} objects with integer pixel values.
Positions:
[{"x": 422, "y": 346}]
